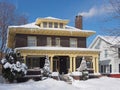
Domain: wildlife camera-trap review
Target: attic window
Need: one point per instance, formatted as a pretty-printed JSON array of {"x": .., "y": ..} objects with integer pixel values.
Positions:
[
  {"x": 55, "y": 25},
  {"x": 50, "y": 24},
  {"x": 44, "y": 24},
  {"x": 61, "y": 25}
]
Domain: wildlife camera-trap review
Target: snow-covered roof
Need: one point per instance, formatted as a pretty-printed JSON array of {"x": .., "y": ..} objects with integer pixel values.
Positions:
[
  {"x": 113, "y": 40},
  {"x": 52, "y": 18},
  {"x": 29, "y": 25},
  {"x": 34, "y": 26},
  {"x": 56, "y": 48}
]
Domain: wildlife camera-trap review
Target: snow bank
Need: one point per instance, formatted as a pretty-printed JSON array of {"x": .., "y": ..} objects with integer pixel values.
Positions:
[
  {"x": 48, "y": 84},
  {"x": 103, "y": 83}
]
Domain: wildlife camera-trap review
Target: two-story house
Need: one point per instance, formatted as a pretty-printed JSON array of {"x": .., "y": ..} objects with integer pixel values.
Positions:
[
  {"x": 64, "y": 45},
  {"x": 109, "y": 62}
]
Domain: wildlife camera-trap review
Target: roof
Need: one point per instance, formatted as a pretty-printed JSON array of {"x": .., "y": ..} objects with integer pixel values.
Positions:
[
  {"x": 34, "y": 26},
  {"x": 113, "y": 40},
  {"x": 56, "y": 48}
]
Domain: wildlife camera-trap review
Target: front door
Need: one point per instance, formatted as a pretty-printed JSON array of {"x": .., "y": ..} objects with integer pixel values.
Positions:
[{"x": 61, "y": 64}]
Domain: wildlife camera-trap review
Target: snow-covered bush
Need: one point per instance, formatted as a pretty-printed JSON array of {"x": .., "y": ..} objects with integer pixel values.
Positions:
[
  {"x": 13, "y": 67},
  {"x": 46, "y": 69}
]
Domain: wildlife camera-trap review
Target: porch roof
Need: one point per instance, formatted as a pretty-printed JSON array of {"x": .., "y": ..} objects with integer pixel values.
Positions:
[{"x": 47, "y": 48}]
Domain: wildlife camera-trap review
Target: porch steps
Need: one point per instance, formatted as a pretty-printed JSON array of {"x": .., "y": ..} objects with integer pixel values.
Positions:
[{"x": 66, "y": 78}]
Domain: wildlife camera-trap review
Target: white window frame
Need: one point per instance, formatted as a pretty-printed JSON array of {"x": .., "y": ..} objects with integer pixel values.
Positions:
[
  {"x": 31, "y": 41},
  {"x": 49, "y": 41},
  {"x": 73, "y": 42},
  {"x": 57, "y": 41}
]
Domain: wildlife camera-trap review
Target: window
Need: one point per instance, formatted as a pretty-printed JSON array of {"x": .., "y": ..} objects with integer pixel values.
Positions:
[
  {"x": 73, "y": 42},
  {"x": 50, "y": 24},
  {"x": 57, "y": 40},
  {"x": 31, "y": 41},
  {"x": 110, "y": 68},
  {"x": 101, "y": 68},
  {"x": 55, "y": 25},
  {"x": 118, "y": 52},
  {"x": 44, "y": 24},
  {"x": 106, "y": 53},
  {"x": 61, "y": 25},
  {"x": 49, "y": 41}
]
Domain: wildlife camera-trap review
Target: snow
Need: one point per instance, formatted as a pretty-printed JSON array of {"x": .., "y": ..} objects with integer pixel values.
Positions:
[
  {"x": 55, "y": 74},
  {"x": 113, "y": 40},
  {"x": 52, "y": 18},
  {"x": 76, "y": 73},
  {"x": 7, "y": 65},
  {"x": 103, "y": 83},
  {"x": 29, "y": 25},
  {"x": 56, "y": 48}
]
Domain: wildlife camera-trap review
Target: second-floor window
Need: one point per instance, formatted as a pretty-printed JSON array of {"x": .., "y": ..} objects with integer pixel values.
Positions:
[
  {"x": 31, "y": 41},
  {"x": 49, "y": 41},
  {"x": 73, "y": 42},
  {"x": 57, "y": 41},
  {"x": 106, "y": 53}
]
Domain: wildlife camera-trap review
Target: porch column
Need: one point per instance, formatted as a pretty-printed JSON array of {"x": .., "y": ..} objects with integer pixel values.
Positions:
[
  {"x": 51, "y": 63},
  {"x": 71, "y": 64},
  {"x": 24, "y": 57},
  {"x": 95, "y": 64},
  {"x": 74, "y": 64}
]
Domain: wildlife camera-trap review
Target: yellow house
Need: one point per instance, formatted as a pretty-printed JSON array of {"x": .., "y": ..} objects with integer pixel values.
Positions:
[{"x": 64, "y": 45}]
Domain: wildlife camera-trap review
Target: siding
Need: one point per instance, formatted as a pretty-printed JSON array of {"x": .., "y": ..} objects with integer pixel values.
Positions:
[{"x": 42, "y": 40}]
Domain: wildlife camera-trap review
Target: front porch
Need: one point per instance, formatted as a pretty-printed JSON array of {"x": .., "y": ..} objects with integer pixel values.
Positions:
[{"x": 63, "y": 60}]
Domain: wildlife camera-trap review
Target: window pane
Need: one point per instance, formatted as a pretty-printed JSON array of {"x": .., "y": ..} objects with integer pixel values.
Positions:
[
  {"x": 44, "y": 24},
  {"x": 55, "y": 25},
  {"x": 57, "y": 41},
  {"x": 61, "y": 25},
  {"x": 118, "y": 52},
  {"x": 73, "y": 42},
  {"x": 50, "y": 24},
  {"x": 49, "y": 41},
  {"x": 31, "y": 41}
]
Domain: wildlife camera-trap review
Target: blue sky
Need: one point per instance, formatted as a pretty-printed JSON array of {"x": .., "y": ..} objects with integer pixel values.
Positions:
[{"x": 94, "y": 12}]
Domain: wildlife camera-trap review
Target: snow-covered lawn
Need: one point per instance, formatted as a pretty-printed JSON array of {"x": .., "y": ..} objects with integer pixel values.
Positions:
[{"x": 103, "y": 83}]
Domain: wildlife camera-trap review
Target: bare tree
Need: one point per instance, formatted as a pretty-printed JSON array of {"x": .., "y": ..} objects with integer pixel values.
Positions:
[{"x": 8, "y": 16}]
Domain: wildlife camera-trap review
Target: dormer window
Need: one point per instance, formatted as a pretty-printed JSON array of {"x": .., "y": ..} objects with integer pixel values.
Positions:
[
  {"x": 61, "y": 25},
  {"x": 55, "y": 25},
  {"x": 45, "y": 24},
  {"x": 50, "y": 24}
]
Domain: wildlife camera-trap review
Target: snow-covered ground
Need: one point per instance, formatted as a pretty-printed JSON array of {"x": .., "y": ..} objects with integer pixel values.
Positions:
[{"x": 103, "y": 83}]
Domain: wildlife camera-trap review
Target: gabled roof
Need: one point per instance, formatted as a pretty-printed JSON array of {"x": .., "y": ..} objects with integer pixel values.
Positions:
[{"x": 112, "y": 40}]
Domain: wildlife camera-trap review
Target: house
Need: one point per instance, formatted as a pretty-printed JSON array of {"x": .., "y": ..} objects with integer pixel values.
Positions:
[
  {"x": 64, "y": 45},
  {"x": 109, "y": 62}
]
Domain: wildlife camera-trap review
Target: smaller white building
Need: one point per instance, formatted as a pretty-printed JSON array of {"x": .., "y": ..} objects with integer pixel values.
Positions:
[{"x": 109, "y": 61}]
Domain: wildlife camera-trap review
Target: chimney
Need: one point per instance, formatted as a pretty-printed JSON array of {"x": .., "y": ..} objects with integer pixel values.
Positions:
[{"x": 78, "y": 22}]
